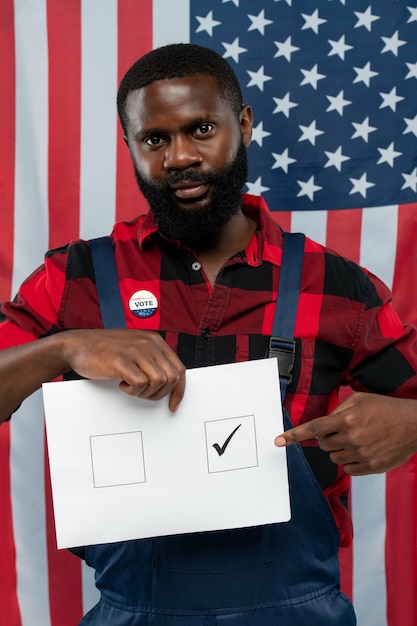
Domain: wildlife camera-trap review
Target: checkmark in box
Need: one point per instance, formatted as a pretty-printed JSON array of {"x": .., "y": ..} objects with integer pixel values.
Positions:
[{"x": 231, "y": 444}]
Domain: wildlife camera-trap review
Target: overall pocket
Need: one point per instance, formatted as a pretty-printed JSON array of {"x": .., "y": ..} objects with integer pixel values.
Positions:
[{"x": 213, "y": 552}]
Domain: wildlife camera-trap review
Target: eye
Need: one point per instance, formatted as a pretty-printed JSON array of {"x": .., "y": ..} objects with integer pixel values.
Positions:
[
  {"x": 153, "y": 141},
  {"x": 204, "y": 129}
]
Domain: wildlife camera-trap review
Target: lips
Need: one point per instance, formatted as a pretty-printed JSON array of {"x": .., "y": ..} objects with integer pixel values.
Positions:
[{"x": 189, "y": 190}]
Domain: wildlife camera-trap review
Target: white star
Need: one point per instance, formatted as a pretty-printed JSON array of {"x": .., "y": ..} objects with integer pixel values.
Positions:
[
  {"x": 413, "y": 14},
  {"x": 365, "y": 19},
  {"x": 257, "y": 79},
  {"x": 337, "y": 103},
  {"x": 392, "y": 44},
  {"x": 284, "y": 105},
  {"x": 339, "y": 47},
  {"x": 410, "y": 180},
  {"x": 411, "y": 125},
  {"x": 360, "y": 185},
  {"x": 285, "y": 49},
  {"x": 412, "y": 70},
  {"x": 311, "y": 77},
  {"x": 388, "y": 155},
  {"x": 335, "y": 159},
  {"x": 256, "y": 188},
  {"x": 235, "y": 2},
  {"x": 390, "y": 99},
  {"x": 258, "y": 133},
  {"x": 363, "y": 130},
  {"x": 364, "y": 74},
  {"x": 308, "y": 188},
  {"x": 259, "y": 22},
  {"x": 282, "y": 160},
  {"x": 233, "y": 50},
  {"x": 312, "y": 21},
  {"x": 207, "y": 23},
  {"x": 310, "y": 133}
]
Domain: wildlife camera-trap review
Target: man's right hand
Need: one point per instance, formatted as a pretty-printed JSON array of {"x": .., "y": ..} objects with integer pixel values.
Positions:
[{"x": 141, "y": 360}]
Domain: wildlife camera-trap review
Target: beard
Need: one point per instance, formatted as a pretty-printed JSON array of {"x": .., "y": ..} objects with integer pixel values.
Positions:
[{"x": 197, "y": 227}]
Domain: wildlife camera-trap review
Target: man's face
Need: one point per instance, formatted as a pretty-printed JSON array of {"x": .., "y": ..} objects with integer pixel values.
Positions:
[{"x": 189, "y": 151}]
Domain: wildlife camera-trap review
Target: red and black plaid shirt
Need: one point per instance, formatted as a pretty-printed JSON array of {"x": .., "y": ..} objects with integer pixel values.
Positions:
[{"x": 346, "y": 330}]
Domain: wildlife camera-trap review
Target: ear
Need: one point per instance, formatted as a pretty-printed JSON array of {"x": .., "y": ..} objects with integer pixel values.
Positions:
[{"x": 246, "y": 123}]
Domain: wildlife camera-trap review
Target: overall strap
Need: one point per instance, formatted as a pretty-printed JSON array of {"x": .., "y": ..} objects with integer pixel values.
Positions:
[
  {"x": 107, "y": 283},
  {"x": 282, "y": 343}
]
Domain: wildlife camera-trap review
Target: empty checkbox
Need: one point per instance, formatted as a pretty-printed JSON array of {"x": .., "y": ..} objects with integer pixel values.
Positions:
[{"x": 117, "y": 459}]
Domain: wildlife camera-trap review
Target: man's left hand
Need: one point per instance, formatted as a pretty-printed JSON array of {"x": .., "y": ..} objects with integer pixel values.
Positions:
[{"x": 367, "y": 433}]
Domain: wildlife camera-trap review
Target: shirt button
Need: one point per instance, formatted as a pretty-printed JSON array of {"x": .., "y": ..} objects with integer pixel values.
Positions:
[
  {"x": 206, "y": 334},
  {"x": 196, "y": 266}
]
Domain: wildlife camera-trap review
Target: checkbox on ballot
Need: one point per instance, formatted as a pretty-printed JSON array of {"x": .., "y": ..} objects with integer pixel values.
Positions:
[{"x": 231, "y": 443}]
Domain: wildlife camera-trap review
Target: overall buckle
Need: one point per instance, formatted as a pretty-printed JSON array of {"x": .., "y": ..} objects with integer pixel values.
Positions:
[{"x": 283, "y": 349}]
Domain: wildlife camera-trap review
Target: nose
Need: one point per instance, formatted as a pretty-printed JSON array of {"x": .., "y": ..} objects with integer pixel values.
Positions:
[{"x": 181, "y": 153}]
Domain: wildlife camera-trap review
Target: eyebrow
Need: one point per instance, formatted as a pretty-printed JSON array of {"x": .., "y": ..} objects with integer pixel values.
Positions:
[{"x": 155, "y": 130}]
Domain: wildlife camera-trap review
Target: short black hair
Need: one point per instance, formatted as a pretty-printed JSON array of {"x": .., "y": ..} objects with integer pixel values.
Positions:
[{"x": 176, "y": 61}]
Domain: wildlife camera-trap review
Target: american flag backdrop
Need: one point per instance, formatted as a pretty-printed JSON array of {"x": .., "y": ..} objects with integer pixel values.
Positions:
[{"x": 333, "y": 84}]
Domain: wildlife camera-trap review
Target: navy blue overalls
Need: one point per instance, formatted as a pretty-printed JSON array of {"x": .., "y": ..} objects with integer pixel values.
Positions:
[{"x": 275, "y": 575}]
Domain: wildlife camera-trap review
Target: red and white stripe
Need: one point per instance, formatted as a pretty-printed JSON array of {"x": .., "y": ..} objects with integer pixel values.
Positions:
[
  {"x": 65, "y": 172},
  {"x": 380, "y": 573}
]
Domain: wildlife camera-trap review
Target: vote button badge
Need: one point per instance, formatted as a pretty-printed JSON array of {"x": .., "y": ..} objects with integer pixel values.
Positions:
[{"x": 143, "y": 303}]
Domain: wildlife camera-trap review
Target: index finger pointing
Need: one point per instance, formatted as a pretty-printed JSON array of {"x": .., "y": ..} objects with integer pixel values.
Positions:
[{"x": 310, "y": 430}]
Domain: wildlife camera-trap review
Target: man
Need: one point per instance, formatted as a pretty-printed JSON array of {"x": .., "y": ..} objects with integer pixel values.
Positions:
[{"x": 211, "y": 260}]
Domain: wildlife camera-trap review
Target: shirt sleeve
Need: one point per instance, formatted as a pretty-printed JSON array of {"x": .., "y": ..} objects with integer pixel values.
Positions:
[
  {"x": 35, "y": 310},
  {"x": 384, "y": 358}
]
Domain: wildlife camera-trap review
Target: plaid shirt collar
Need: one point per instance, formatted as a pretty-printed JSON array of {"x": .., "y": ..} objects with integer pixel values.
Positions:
[{"x": 263, "y": 245}]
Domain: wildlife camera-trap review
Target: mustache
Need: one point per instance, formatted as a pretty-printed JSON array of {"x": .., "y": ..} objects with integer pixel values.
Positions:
[{"x": 189, "y": 176}]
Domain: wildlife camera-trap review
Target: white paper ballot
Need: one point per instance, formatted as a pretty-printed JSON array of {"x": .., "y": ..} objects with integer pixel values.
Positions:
[{"x": 126, "y": 468}]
